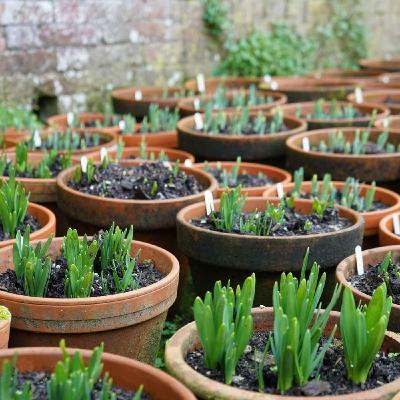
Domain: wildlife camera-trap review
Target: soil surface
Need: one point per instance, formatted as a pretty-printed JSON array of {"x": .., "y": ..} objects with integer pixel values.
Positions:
[
  {"x": 149, "y": 181},
  {"x": 248, "y": 129},
  {"x": 332, "y": 380},
  {"x": 28, "y": 220},
  {"x": 293, "y": 224},
  {"x": 243, "y": 179}
]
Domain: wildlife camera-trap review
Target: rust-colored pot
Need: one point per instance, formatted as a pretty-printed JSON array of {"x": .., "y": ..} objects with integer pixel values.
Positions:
[
  {"x": 221, "y": 256},
  {"x": 389, "y": 98},
  {"x": 348, "y": 267},
  {"x": 46, "y": 219},
  {"x": 126, "y": 373},
  {"x": 390, "y": 64},
  {"x": 12, "y": 133},
  {"x": 277, "y": 174},
  {"x": 186, "y": 340},
  {"x": 229, "y": 82},
  {"x": 166, "y": 139},
  {"x": 4, "y": 332},
  {"x": 386, "y": 235},
  {"x": 393, "y": 123},
  {"x": 186, "y": 105},
  {"x": 391, "y": 80},
  {"x": 307, "y": 108},
  {"x": 128, "y": 323},
  {"x": 371, "y": 218},
  {"x": 365, "y": 167},
  {"x": 302, "y": 88},
  {"x": 60, "y": 122},
  {"x": 229, "y": 147},
  {"x": 124, "y": 101}
]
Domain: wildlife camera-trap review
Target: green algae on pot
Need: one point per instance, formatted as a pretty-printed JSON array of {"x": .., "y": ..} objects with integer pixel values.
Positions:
[
  {"x": 128, "y": 323},
  {"x": 228, "y": 146},
  {"x": 5, "y": 323},
  {"x": 380, "y": 167},
  {"x": 229, "y": 82},
  {"x": 389, "y": 98}
]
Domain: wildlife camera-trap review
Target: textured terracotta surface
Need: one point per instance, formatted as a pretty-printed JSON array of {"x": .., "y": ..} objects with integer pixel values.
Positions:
[
  {"x": 125, "y": 373},
  {"x": 230, "y": 82},
  {"x": 378, "y": 167},
  {"x": 390, "y": 80},
  {"x": 167, "y": 139},
  {"x": 229, "y": 147},
  {"x": 386, "y": 234},
  {"x": 392, "y": 64},
  {"x": 186, "y": 339},
  {"x": 129, "y": 323},
  {"x": 371, "y": 218},
  {"x": 379, "y": 96},
  {"x": 394, "y": 123},
  {"x": 347, "y": 268},
  {"x": 277, "y": 174},
  {"x": 4, "y": 333},
  {"x": 313, "y": 123}
]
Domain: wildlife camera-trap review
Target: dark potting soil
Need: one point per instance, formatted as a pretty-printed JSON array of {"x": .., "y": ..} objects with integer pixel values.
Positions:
[
  {"x": 249, "y": 129},
  {"x": 38, "y": 383},
  {"x": 332, "y": 380},
  {"x": 138, "y": 182},
  {"x": 293, "y": 224},
  {"x": 369, "y": 148},
  {"x": 28, "y": 220},
  {"x": 244, "y": 179},
  {"x": 372, "y": 278}
]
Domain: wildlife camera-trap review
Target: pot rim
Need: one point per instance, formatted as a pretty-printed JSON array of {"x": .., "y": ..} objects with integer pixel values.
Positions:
[
  {"x": 383, "y": 227},
  {"x": 122, "y": 93}
]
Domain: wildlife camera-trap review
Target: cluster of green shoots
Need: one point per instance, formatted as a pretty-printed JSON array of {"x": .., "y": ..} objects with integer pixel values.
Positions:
[
  {"x": 337, "y": 143},
  {"x": 176, "y": 94},
  {"x": 18, "y": 118},
  {"x": 383, "y": 269},
  {"x": 32, "y": 266},
  {"x": 349, "y": 196},
  {"x": 79, "y": 174},
  {"x": 71, "y": 379},
  {"x": 145, "y": 155},
  {"x": 237, "y": 123},
  {"x": 109, "y": 119},
  {"x": 300, "y": 323},
  {"x": 43, "y": 170},
  {"x": 159, "y": 120}
]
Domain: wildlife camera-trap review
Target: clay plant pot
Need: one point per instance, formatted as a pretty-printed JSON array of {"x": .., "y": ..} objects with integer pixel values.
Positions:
[
  {"x": 302, "y": 88},
  {"x": 165, "y": 139},
  {"x": 60, "y": 122},
  {"x": 390, "y": 80},
  {"x": 124, "y": 101},
  {"x": 348, "y": 267},
  {"x": 307, "y": 108},
  {"x": 46, "y": 219},
  {"x": 4, "y": 333},
  {"x": 221, "y": 256},
  {"x": 386, "y": 235},
  {"x": 389, "y": 64},
  {"x": 128, "y": 323},
  {"x": 393, "y": 123},
  {"x": 229, "y": 82},
  {"x": 229, "y": 147},
  {"x": 186, "y": 340},
  {"x": 371, "y": 218},
  {"x": 126, "y": 373},
  {"x": 277, "y": 174},
  {"x": 186, "y": 105},
  {"x": 389, "y": 98},
  {"x": 365, "y": 167}
]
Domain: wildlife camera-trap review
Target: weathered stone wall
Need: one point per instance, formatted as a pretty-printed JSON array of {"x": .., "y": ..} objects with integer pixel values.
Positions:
[{"x": 77, "y": 50}]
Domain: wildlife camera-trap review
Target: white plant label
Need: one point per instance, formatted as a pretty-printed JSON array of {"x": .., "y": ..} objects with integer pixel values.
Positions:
[
  {"x": 359, "y": 261},
  {"x": 279, "y": 190},
  {"x": 385, "y": 123},
  {"x": 396, "y": 224},
  {"x": 122, "y": 125},
  {"x": 37, "y": 139},
  {"x": 188, "y": 163},
  {"x": 167, "y": 164},
  {"x": 267, "y": 78},
  {"x": 306, "y": 144},
  {"x": 138, "y": 95},
  {"x": 198, "y": 121},
  {"x": 103, "y": 154},
  {"x": 209, "y": 200},
  {"x": 196, "y": 103},
  {"x": 274, "y": 85},
  {"x": 201, "y": 83},
  {"x": 385, "y": 79},
  {"x": 358, "y": 94},
  {"x": 70, "y": 118},
  {"x": 84, "y": 162}
]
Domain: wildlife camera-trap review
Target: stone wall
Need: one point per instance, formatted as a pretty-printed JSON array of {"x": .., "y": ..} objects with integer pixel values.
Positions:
[{"x": 74, "y": 51}]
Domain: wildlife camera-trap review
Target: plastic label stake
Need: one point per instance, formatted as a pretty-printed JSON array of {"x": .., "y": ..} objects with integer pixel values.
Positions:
[
  {"x": 167, "y": 164},
  {"x": 396, "y": 224},
  {"x": 196, "y": 103},
  {"x": 209, "y": 200},
  {"x": 70, "y": 118},
  {"x": 201, "y": 83},
  {"x": 385, "y": 123},
  {"x": 188, "y": 163},
  {"x": 138, "y": 95},
  {"x": 274, "y": 85},
  {"x": 84, "y": 162},
  {"x": 358, "y": 94},
  {"x": 306, "y": 144},
  {"x": 267, "y": 78},
  {"x": 359, "y": 261},
  {"x": 103, "y": 154},
  {"x": 279, "y": 190},
  {"x": 37, "y": 139},
  {"x": 122, "y": 125},
  {"x": 198, "y": 121}
]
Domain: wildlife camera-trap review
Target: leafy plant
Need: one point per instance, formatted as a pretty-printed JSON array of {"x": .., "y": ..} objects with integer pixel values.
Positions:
[
  {"x": 18, "y": 118},
  {"x": 159, "y": 120},
  {"x": 224, "y": 324},
  {"x": 215, "y": 18},
  {"x": 334, "y": 111},
  {"x": 362, "y": 330},
  {"x": 4, "y": 313},
  {"x": 9, "y": 383}
]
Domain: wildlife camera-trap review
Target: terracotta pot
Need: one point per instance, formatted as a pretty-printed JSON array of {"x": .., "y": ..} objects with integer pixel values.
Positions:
[
  {"x": 314, "y": 123},
  {"x": 277, "y": 174},
  {"x": 230, "y": 82},
  {"x": 371, "y": 218},
  {"x": 186, "y": 105},
  {"x": 386, "y": 235},
  {"x": 186, "y": 340},
  {"x": 4, "y": 333},
  {"x": 46, "y": 219},
  {"x": 301, "y": 88},
  {"x": 126, "y": 373},
  {"x": 347, "y": 268},
  {"x": 124, "y": 99},
  {"x": 389, "y": 64},
  {"x": 60, "y": 122},
  {"x": 12, "y": 133},
  {"x": 229, "y": 147},
  {"x": 394, "y": 123},
  {"x": 390, "y": 80},
  {"x": 372, "y": 167},
  {"x": 216, "y": 255},
  {"x": 166, "y": 139},
  {"x": 389, "y": 98},
  {"x": 128, "y": 323}
]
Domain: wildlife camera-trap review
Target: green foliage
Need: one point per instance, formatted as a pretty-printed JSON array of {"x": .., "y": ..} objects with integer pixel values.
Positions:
[
  {"x": 18, "y": 118},
  {"x": 215, "y": 18},
  {"x": 159, "y": 120},
  {"x": 362, "y": 330},
  {"x": 224, "y": 324},
  {"x": 9, "y": 382},
  {"x": 334, "y": 111},
  {"x": 4, "y": 313}
]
